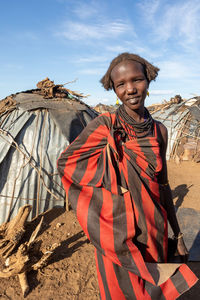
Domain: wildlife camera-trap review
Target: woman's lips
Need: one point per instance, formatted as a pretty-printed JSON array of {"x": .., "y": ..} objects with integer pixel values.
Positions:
[{"x": 133, "y": 100}]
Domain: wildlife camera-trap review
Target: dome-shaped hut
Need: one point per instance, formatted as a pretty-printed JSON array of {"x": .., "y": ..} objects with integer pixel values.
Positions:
[
  {"x": 182, "y": 119},
  {"x": 35, "y": 127}
]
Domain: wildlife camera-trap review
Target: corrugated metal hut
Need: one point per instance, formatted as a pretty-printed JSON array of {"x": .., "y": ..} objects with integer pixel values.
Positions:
[
  {"x": 35, "y": 127},
  {"x": 182, "y": 119}
]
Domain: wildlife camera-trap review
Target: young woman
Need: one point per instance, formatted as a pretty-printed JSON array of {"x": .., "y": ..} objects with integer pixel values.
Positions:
[{"x": 115, "y": 177}]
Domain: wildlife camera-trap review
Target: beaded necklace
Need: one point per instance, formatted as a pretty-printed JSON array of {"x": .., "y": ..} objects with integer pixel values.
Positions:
[{"x": 132, "y": 128}]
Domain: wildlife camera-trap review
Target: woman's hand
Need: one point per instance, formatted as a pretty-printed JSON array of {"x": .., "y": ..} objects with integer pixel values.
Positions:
[{"x": 182, "y": 250}]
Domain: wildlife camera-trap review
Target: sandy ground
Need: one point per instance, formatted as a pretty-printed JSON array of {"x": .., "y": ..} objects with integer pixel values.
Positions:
[
  {"x": 71, "y": 272},
  {"x": 184, "y": 180}
]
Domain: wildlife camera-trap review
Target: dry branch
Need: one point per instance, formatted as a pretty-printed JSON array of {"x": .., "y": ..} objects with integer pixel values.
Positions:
[
  {"x": 12, "y": 232},
  {"x": 22, "y": 257}
]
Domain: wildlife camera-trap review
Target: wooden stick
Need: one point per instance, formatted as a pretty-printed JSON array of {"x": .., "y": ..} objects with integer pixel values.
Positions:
[{"x": 24, "y": 283}]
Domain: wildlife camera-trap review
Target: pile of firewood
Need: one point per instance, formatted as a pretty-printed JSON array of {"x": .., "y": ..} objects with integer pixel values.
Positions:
[
  {"x": 48, "y": 90},
  {"x": 19, "y": 256}
]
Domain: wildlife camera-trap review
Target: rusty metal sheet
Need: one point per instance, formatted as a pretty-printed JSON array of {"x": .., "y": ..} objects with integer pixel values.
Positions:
[
  {"x": 30, "y": 101},
  {"x": 28, "y": 171}
]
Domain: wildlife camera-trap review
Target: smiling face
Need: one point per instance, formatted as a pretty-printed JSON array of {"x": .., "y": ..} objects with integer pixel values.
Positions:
[{"x": 130, "y": 85}]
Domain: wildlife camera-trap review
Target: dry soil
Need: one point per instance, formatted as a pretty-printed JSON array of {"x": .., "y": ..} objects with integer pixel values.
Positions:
[{"x": 71, "y": 272}]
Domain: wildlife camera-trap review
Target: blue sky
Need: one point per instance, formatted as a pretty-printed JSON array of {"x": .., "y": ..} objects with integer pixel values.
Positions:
[{"x": 69, "y": 39}]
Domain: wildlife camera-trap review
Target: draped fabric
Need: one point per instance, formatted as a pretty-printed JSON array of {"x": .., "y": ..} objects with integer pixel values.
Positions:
[{"x": 112, "y": 186}]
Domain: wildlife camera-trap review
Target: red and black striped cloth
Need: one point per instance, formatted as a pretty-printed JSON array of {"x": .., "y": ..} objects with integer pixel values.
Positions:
[{"x": 112, "y": 186}]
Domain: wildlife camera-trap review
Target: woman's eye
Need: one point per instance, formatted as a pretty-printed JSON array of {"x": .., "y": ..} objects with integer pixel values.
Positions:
[{"x": 120, "y": 84}]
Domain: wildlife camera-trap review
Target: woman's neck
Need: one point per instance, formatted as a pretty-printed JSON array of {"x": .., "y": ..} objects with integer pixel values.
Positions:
[{"x": 137, "y": 115}]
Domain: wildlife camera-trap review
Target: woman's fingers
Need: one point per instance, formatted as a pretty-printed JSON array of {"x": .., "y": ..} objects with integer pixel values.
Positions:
[{"x": 182, "y": 250}]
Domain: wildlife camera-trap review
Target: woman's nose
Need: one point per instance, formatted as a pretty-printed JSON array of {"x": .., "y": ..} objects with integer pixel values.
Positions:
[{"x": 130, "y": 88}]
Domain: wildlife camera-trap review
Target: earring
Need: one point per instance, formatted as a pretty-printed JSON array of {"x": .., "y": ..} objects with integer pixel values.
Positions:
[
  {"x": 117, "y": 101},
  {"x": 148, "y": 93}
]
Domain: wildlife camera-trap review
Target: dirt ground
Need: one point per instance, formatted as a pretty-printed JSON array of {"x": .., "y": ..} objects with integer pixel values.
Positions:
[
  {"x": 184, "y": 180},
  {"x": 71, "y": 272}
]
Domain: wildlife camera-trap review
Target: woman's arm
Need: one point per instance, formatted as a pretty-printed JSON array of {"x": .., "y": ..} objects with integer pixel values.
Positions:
[{"x": 167, "y": 196}]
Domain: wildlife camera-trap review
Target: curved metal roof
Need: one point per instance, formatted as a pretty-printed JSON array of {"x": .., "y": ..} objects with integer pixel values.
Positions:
[{"x": 32, "y": 136}]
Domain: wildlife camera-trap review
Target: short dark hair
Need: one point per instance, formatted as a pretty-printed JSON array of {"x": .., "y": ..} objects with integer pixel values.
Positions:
[{"x": 150, "y": 71}]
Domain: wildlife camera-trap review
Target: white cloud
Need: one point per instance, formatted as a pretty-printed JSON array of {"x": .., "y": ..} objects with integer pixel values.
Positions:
[
  {"x": 83, "y": 31},
  {"x": 181, "y": 21},
  {"x": 177, "y": 20},
  {"x": 161, "y": 92},
  {"x": 149, "y": 8},
  {"x": 117, "y": 48},
  {"x": 91, "y": 59},
  {"x": 86, "y": 10},
  {"x": 172, "y": 70},
  {"x": 177, "y": 69},
  {"x": 105, "y": 100},
  {"x": 95, "y": 71},
  {"x": 190, "y": 25}
]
